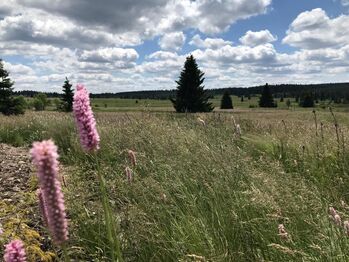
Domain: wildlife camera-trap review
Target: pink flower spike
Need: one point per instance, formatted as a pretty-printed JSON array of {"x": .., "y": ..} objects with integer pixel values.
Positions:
[
  {"x": 45, "y": 158},
  {"x": 128, "y": 173},
  {"x": 42, "y": 206},
  {"x": 132, "y": 156},
  {"x": 85, "y": 121},
  {"x": 332, "y": 211},
  {"x": 282, "y": 232},
  {"x": 14, "y": 252},
  {"x": 337, "y": 220},
  {"x": 346, "y": 227}
]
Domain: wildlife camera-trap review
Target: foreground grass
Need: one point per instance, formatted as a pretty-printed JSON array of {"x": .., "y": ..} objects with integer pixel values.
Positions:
[{"x": 204, "y": 192}]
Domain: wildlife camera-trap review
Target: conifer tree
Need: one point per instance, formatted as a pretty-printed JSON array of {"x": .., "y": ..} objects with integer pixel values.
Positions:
[
  {"x": 266, "y": 99},
  {"x": 6, "y": 89},
  {"x": 8, "y": 104},
  {"x": 67, "y": 98},
  {"x": 226, "y": 102},
  {"x": 307, "y": 101},
  {"x": 190, "y": 95}
]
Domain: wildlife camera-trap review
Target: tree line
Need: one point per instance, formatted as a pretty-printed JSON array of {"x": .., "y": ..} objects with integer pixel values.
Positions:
[
  {"x": 337, "y": 92},
  {"x": 189, "y": 95}
]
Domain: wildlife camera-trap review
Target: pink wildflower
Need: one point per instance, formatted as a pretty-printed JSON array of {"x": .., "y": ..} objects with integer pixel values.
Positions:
[
  {"x": 337, "y": 220},
  {"x": 132, "y": 156},
  {"x": 332, "y": 211},
  {"x": 282, "y": 232},
  {"x": 128, "y": 173},
  {"x": 14, "y": 252},
  {"x": 42, "y": 206},
  {"x": 346, "y": 227},
  {"x": 238, "y": 130},
  {"x": 44, "y": 156},
  {"x": 335, "y": 217},
  {"x": 85, "y": 120}
]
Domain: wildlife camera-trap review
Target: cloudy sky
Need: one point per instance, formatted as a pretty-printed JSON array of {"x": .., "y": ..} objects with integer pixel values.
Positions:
[{"x": 126, "y": 45}]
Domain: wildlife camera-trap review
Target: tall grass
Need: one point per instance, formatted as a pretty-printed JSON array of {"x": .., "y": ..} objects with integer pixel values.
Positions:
[{"x": 203, "y": 192}]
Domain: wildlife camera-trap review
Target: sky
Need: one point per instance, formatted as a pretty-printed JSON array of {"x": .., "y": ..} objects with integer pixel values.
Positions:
[{"x": 129, "y": 45}]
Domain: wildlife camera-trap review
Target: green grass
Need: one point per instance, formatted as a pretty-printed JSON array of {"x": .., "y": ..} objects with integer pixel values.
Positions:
[
  {"x": 156, "y": 105},
  {"x": 202, "y": 190}
]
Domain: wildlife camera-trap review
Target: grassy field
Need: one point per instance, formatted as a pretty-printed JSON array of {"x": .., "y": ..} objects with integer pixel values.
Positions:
[
  {"x": 203, "y": 193},
  {"x": 154, "y": 105},
  {"x": 117, "y": 104}
]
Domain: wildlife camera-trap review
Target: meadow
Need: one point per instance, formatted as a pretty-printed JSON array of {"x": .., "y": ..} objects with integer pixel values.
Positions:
[
  {"x": 200, "y": 192},
  {"x": 156, "y": 105}
]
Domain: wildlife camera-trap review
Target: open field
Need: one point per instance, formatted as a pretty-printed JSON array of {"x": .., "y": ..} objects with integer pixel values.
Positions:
[
  {"x": 199, "y": 193},
  {"x": 156, "y": 105}
]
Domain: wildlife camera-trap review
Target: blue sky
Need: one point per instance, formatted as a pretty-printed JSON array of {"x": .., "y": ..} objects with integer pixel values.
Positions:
[{"x": 123, "y": 45}]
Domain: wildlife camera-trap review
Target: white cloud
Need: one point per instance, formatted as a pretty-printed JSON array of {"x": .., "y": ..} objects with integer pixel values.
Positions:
[
  {"x": 172, "y": 41},
  {"x": 163, "y": 55},
  {"x": 96, "y": 44},
  {"x": 43, "y": 28},
  {"x": 239, "y": 54},
  {"x": 314, "y": 29},
  {"x": 345, "y": 2},
  {"x": 18, "y": 69},
  {"x": 257, "y": 38},
  {"x": 212, "y": 43},
  {"x": 109, "y": 55},
  {"x": 153, "y": 17},
  {"x": 217, "y": 16}
]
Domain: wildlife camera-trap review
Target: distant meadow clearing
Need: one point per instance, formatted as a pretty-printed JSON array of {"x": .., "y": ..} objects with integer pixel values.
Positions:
[{"x": 199, "y": 190}]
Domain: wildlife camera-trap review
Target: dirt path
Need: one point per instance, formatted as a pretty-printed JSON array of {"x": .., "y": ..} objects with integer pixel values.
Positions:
[
  {"x": 15, "y": 171},
  {"x": 19, "y": 213}
]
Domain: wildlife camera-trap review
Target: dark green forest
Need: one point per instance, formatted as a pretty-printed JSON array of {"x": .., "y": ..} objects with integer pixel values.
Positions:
[{"x": 337, "y": 92}]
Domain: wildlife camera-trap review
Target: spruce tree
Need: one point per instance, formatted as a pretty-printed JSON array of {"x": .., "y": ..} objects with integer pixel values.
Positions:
[
  {"x": 307, "y": 101},
  {"x": 226, "y": 102},
  {"x": 9, "y": 105},
  {"x": 190, "y": 95},
  {"x": 6, "y": 89},
  {"x": 266, "y": 99},
  {"x": 67, "y": 98}
]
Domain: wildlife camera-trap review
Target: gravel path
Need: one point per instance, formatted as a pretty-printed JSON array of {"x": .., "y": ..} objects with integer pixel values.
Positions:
[{"x": 15, "y": 171}]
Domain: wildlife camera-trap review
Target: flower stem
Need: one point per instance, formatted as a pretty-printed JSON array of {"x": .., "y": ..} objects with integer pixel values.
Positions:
[{"x": 109, "y": 222}]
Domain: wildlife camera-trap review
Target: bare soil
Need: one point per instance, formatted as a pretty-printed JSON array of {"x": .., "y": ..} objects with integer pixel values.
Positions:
[{"x": 15, "y": 171}]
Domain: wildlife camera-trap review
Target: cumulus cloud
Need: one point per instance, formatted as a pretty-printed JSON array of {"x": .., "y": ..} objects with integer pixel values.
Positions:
[
  {"x": 209, "y": 16},
  {"x": 212, "y": 43},
  {"x": 239, "y": 54},
  {"x": 163, "y": 55},
  {"x": 257, "y": 38},
  {"x": 96, "y": 44},
  {"x": 18, "y": 69},
  {"x": 108, "y": 55},
  {"x": 38, "y": 27},
  {"x": 216, "y": 16},
  {"x": 172, "y": 41},
  {"x": 314, "y": 29},
  {"x": 6, "y": 8},
  {"x": 345, "y": 2}
]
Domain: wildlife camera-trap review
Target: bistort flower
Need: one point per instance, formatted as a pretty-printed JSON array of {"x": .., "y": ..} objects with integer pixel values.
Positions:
[{"x": 85, "y": 120}]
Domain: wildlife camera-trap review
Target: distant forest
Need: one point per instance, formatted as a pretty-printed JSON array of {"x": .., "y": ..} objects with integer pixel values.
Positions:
[{"x": 337, "y": 92}]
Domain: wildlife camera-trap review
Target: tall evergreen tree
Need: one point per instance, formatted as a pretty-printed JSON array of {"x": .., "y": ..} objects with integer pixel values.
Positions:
[
  {"x": 266, "y": 99},
  {"x": 67, "y": 98},
  {"x": 226, "y": 102},
  {"x": 8, "y": 104},
  {"x": 307, "y": 101},
  {"x": 190, "y": 95},
  {"x": 6, "y": 89}
]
